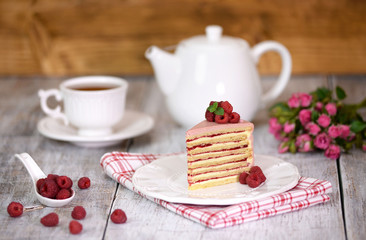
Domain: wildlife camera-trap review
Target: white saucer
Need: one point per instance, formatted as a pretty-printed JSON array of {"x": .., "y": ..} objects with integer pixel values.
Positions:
[
  {"x": 166, "y": 179},
  {"x": 133, "y": 124}
]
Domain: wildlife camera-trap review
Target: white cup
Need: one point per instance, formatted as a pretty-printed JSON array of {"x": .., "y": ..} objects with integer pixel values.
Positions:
[{"x": 93, "y": 104}]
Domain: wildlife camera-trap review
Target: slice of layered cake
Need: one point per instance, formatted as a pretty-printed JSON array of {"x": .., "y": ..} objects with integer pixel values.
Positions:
[{"x": 218, "y": 153}]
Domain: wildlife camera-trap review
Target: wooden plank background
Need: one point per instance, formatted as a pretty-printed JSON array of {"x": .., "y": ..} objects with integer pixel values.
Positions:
[{"x": 76, "y": 37}]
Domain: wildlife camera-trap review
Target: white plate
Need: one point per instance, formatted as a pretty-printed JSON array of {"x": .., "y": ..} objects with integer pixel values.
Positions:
[
  {"x": 133, "y": 124},
  {"x": 166, "y": 179}
]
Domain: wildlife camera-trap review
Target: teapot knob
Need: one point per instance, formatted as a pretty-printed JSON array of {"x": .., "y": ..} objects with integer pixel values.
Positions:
[{"x": 213, "y": 33}]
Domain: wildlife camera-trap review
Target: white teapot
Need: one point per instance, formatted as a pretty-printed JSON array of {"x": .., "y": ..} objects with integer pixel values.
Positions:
[{"x": 213, "y": 67}]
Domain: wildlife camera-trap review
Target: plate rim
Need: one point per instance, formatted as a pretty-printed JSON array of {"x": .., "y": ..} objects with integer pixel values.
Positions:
[
  {"x": 213, "y": 201},
  {"x": 109, "y": 138}
]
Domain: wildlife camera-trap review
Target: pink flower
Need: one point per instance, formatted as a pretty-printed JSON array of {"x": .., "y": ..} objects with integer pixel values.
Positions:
[
  {"x": 331, "y": 109},
  {"x": 324, "y": 120},
  {"x": 322, "y": 141},
  {"x": 351, "y": 136},
  {"x": 274, "y": 126},
  {"x": 364, "y": 146},
  {"x": 312, "y": 128},
  {"x": 333, "y": 131},
  {"x": 305, "y": 99},
  {"x": 319, "y": 106},
  {"x": 294, "y": 101},
  {"x": 333, "y": 152},
  {"x": 305, "y": 116},
  {"x": 283, "y": 147},
  {"x": 344, "y": 131},
  {"x": 278, "y": 136},
  {"x": 288, "y": 127},
  {"x": 307, "y": 147},
  {"x": 303, "y": 142}
]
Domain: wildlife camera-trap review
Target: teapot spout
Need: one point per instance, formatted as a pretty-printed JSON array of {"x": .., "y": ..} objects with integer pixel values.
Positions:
[{"x": 166, "y": 68}]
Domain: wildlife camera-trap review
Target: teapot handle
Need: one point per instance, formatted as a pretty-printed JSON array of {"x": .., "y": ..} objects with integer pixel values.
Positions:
[{"x": 285, "y": 74}]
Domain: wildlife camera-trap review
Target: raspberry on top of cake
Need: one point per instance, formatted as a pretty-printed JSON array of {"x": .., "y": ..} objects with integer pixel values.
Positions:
[{"x": 218, "y": 150}]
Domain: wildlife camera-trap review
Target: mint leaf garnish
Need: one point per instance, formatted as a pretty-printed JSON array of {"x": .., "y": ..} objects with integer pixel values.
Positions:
[
  {"x": 219, "y": 111},
  {"x": 213, "y": 107}
]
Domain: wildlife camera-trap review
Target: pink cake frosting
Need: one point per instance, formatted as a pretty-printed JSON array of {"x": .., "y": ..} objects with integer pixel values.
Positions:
[{"x": 205, "y": 125}]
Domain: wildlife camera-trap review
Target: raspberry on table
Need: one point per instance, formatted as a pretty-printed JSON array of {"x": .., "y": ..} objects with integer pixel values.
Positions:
[
  {"x": 228, "y": 108},
  {"x": 84, "y": 183},
  {"x": 78, "y": 213},
  {"x": 63, "y": 194},
  {"x": 64, "y": 182},
  {"x": 234, "y": 117},
  {"x": 50, "y": 220},
  {"x": 222, "y": 118},
  {"x": 49, "y": 188},
  {"x": 75, "y": 227},
  {"x": 118, "y": 216},
  {"x": 15, "y": 209},
  {"x": 243, "y": 177}
]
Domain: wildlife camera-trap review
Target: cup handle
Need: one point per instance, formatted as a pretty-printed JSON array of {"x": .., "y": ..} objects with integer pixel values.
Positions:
[
  {"x": 285, "y": 74},
  {"x": 56, "y": 112}
]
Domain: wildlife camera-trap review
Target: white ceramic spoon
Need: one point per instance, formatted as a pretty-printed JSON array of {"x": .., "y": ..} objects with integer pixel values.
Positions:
[{"x": 36, "y": 173}]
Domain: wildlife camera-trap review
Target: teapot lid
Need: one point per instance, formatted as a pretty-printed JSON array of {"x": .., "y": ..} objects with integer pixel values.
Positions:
[{"x": 215, "y": 38}]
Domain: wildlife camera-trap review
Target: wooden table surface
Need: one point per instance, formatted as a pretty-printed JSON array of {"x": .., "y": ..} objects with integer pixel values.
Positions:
[{"x": 343, "y": 217}]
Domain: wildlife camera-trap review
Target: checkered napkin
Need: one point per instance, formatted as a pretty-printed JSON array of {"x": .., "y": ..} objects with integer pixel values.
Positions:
[{"x": 309, "y": 191}]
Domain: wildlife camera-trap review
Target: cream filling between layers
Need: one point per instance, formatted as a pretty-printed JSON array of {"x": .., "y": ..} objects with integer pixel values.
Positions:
[
  {"x": 218, "y": 146},
  {"x": 220, "y": 167},
  {"x": 237, "y": 136},
  {"x": 207, "y": 155},
  {"x": 219, "y": 160},
  {"x": 219, "y": 174}
]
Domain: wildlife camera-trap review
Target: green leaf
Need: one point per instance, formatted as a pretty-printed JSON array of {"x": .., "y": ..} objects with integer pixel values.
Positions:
[
  {"x": 357, "y": 126},
  {"x": 292, "y": 146},
  {"x": 314, "y": 116},
  {"x": 219, "y": 111},
  {"x": 322, "y": 94},
  {"x": 213, "y": 107},
  {"x": 358, "y": 141},
  {"x": 280, "y": 105},
  {"x": 341, "y": 94},
  {"x": 362, "y": 104}
]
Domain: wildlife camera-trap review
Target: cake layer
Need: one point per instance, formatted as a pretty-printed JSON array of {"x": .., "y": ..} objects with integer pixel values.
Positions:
[
  {"x": 218, "y": 174},
  {"x": 219, "y": 160},
  {"x": 213, "y": 182},
  {"x": 218, "y": 146},
  {"x": 207, "y": 155},
  {"x": 231, "y": 137},
  {"x": 219, "y": 167}
]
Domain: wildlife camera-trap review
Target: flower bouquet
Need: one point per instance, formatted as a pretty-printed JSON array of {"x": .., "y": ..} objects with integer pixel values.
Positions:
[{"x": 318, "y": 121}]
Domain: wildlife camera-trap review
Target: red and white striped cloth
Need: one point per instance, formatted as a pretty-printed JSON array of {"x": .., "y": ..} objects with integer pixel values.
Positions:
[{"x": 309, "y": 191}]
